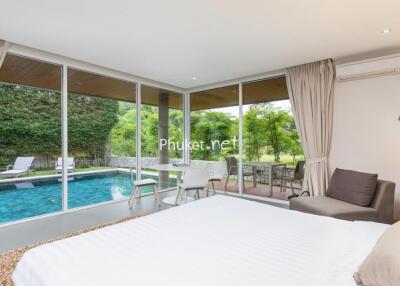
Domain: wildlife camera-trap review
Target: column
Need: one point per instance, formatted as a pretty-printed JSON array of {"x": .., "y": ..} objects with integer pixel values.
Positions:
[{"x": 163, "y": 109}]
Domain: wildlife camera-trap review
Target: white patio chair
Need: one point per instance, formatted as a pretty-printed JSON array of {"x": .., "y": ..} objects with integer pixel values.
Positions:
[
  {"x": 193, "y": 179},
  {"x": 218, "y": 174},
  {"x": 70, "y": 164},
  {"x": 22, "y": 166}
]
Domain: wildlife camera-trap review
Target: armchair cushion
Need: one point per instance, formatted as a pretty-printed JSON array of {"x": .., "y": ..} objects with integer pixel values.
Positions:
[
  {"x": 352, "y": 187},
  {"x": 334, "y": 208}
]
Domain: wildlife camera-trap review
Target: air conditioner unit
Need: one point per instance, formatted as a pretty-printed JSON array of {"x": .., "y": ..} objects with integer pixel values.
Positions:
[{"x": 368, "y": 68}]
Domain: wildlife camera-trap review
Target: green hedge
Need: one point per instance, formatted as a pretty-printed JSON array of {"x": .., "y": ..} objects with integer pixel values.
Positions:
[{"x": 30, "y": 123}]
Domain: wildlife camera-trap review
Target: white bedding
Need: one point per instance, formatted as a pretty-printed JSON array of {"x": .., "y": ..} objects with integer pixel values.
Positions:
[{"x": 215, "y": 241}]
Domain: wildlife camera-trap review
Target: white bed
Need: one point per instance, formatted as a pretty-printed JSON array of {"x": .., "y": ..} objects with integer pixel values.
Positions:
[{"x": 215, "y": 241}]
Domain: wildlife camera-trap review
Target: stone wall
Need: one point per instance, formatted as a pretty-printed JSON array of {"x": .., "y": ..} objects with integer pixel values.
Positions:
[
  {"x": 128, "y": 162},
  {"x": 122, "y": 162}
]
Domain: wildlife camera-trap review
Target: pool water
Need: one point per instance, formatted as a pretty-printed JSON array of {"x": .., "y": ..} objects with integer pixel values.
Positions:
[{"x": 32, "y": 198}]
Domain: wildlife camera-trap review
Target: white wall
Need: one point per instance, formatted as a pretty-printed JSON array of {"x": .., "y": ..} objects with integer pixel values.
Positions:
[{"x": 366, "y": 128}]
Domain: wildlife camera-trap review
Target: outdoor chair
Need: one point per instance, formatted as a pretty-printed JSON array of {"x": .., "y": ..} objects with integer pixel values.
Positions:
[
  {"x": 232, "y": 169},
  {"x": 218, "y": 174},
  {"x": 70, "y": 164},
  {"x": 277, "y": 172},
  {"x": 193, "y": 179},
  {"x": 22, "y": 166},
  {"x": 291, "y": 175}
]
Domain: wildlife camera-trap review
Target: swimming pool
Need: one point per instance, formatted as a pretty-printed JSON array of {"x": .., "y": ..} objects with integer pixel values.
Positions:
[{"x": 38, "y": 197}]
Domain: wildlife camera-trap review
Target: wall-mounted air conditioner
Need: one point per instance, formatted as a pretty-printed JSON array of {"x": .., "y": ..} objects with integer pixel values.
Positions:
[{"x": 368, "y": 68}]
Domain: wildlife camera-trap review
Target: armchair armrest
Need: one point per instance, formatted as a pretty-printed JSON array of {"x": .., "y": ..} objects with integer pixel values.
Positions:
[
  {"x": 383, "y": 201},
  {"x": 8, "y": 167}
]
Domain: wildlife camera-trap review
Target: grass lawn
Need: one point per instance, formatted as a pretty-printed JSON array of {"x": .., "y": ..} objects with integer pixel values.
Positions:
[{"x": 53, "y": 172}]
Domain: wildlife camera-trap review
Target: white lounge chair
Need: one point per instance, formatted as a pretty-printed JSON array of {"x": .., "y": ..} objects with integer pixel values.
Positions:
[
  {"x": 22, "y": 166},
  {"x": 70, "y": 164}
]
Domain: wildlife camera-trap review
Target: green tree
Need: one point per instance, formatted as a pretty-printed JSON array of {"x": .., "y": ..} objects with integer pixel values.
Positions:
[
  {"x": 30, "y": 124},
  {"x": 294, "y": 146},
  {"x": 275, "y": 122},
  {"x": 124, "y": 132},
  {"x": 206, "y": 127},
  {"x": 149, "y": 131},
  {"x": 271, "y": 130},
  {"x": 175, "y": 131},
  {"x": 254, "y": 136}
]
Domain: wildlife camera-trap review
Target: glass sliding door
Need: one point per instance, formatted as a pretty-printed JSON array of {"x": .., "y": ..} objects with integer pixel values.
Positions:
[
  {"x": 161, "y": 133},
  {"x": 30, "y": 138},
  {"x": 101, "y": 138},
  {"x": 271, "y": 145},
  {"x": 214, "y": 134}
]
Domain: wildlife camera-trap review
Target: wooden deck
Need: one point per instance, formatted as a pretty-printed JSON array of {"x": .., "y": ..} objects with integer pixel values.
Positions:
[{"x": 260, "y": 190}]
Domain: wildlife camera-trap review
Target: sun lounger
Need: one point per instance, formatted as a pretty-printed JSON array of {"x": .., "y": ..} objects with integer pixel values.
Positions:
[
  {"x": 22, "y": 166},
  {"x": 70, "y": 164}
]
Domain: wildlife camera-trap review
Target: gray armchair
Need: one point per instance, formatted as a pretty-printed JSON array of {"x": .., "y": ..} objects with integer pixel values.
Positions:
[{"x": 380, "y": 209}]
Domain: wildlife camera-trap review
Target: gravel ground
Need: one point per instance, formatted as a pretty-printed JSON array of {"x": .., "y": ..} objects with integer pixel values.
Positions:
[{"x": 9, "y": 260}]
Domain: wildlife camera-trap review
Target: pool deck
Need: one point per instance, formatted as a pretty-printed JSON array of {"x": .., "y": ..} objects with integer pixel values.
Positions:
[
  {"x": 74, "y": 174},
  {"x": 260, "y": 190}
]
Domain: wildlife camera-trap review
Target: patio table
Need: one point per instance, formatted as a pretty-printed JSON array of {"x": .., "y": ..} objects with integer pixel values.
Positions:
[
  {"x": 170, "y": 200},
  {"x": 263, "y": 166}
]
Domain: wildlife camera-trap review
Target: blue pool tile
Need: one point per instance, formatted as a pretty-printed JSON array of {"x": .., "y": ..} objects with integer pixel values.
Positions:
[{"x": 44, "y": 196}]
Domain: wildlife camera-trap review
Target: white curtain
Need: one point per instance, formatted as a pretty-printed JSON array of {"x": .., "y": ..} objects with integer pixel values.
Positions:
[
  {"x": 3, "y": 51},
  {"x": 311, "y": 89}
]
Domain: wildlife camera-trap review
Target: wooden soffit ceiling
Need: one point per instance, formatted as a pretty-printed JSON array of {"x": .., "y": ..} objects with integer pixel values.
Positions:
[
  {"x": 153, "y": 96},
  {"x": 261, "y": 91},
  {"x": 91, "y": 84},
  {"x": 29, "y": 72}
]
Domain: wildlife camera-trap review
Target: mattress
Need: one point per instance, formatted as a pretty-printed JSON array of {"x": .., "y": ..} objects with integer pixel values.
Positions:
[{"x": 215, "y": 241}]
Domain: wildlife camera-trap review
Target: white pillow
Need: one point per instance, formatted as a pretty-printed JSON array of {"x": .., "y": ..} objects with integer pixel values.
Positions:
[{"x": 382, "y": 266}]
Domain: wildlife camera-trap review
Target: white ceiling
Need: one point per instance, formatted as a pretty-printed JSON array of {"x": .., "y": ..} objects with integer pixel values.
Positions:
[{"x": 173, "y": 41}]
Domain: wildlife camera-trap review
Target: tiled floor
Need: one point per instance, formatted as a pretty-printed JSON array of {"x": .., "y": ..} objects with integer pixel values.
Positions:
[{"x": 260, "y": 190}]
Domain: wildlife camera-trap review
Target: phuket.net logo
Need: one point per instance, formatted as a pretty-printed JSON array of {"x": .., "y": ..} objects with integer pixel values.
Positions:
[{"x": 215, "y": 145}]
